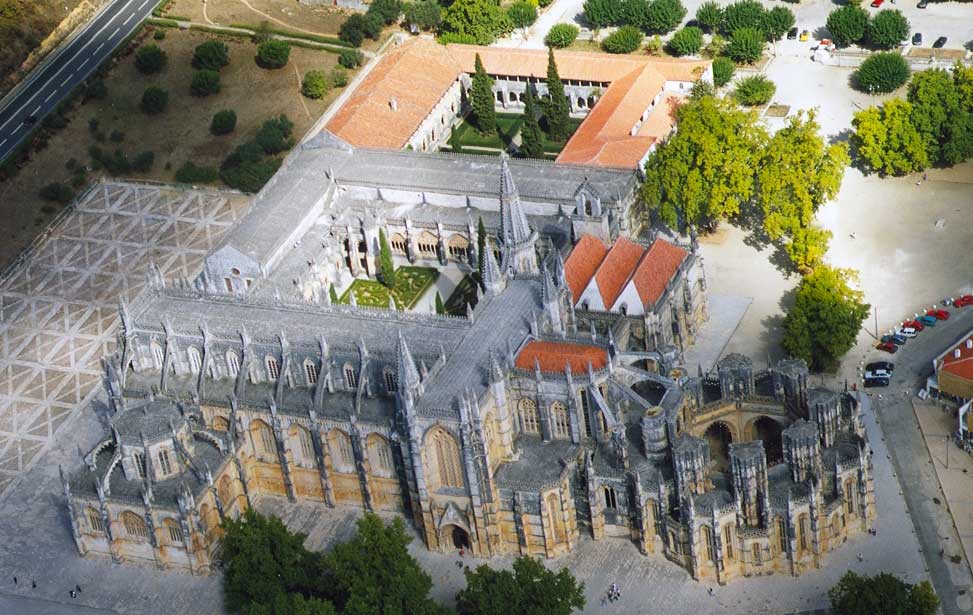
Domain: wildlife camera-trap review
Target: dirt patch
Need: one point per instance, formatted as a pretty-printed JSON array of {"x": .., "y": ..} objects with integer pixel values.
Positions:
[
  {"x": 179, "y": 134},
  {"x": 778, "y": 110},
  {"x": 284, "y": 13},
  {"x": 940, "y": 54},
  {"x": 24, "y": 24}
]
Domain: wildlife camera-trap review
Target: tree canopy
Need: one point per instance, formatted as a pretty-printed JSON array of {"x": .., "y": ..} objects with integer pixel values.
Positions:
[
  {"x": 881, "y": 73},
  {"x": 529, "y": 589},
  {"x": 940, "y": 115},
  {"x": 686, "y": 41},
  {"x": 623, "y": 40},
  {"x": 273, "y": 53},
  {"x": 531, "y": 137},
  {"x": 662, "y": 16},
  {"x": 522, "y": 13},
  {"x": 777, "y": 21},
  {"x": 482, "y": 20},
  {"x": 746, "y": 45},
  {"x": 483, "y": 116},
  {"x": 847, "y": 24},
  {"x": 424, "y": 14},
  {"x": 561, "y": 35},
  {"x": 557, "y": 109},
  {"x": 882, "y": 594},
  {"x": 887, "y": 28},
  {"x": 886, "y": 141},
  {"x": 386, "y": 269},
  {"x": 742, "y": 14},
  {"x": 212, "y": 55},
  {"x": 150, "y": 59},
  {"x": 709, "y": 15}
]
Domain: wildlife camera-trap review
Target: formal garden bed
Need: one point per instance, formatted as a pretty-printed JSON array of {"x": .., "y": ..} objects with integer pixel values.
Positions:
[
  {"x": 411, "y": 283},
  {"x": 464, "y": 294},
  {"x": 466, "y": 138}
]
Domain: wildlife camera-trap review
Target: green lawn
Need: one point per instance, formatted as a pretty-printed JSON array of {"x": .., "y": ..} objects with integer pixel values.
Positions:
[
  {"x": 464, "y": 293},
  {"x": 555, "y": 147},
  {"x": 508, "y": 125},
  {"x": 411, "y": 285}
]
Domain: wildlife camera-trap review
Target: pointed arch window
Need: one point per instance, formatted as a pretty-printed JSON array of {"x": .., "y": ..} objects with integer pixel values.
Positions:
[
  {"x": 351, "y": 381},
  {"x": 781, "y": 535},
  {"x": 342, "y": 454},
  {"x": 562, "y": 425},
  {"x": 611, "y": 498},
  {"x": 157, "y": 355},
  {"x": 135, "y": 526},
  {"x": 273, "y": 368},
  {"x": 850, "y": 496},
  {"x": 391, "y": 384},
  {"x": 728, "y": 540},
  {"x": 706, "y": 535},
  {"x": 195, "y": 360},
  {"x": 95, "y": 522},
  {"x": 263, "y": 438},
  {"x": 175, "y": 531},
  {"x": 140, "y": 465},
  {"x": 310, "y": 372},
  {"x": 232, "y": 363},
  {"x": 448, "y": 471},
  {"x": 165, "y": 462},
  {"x": 528, "y": 414},
  {"x": 380, "y": 455}
]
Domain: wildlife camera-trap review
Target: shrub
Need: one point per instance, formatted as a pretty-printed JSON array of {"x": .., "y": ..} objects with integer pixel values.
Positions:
[
  {"x": 777, "y": 21},
  {"x": 387, "y": 11},
  {"x": 700, "y": 89},
  {"x": 275, "y": 135},
  {"x": 273, "y": 54},
  {"x": 723, "y": 69},
  {"x": 116, "y": 163},
  {"x": 709, "y": 15},
  {"x": 189, "y": 173},
  {"x": 623, "y": 40},
  {"x": 314, "y": 85},
  {"x": 847, "y": 24},
  {"x": 78, "y": 179},
  {"x": 159, "y": 34},
  {"x": 150, "y": 59},
  {"x": 350, "y": 58},
  {"x": 754, "y": 90},
  {"x": 483, "y": 20},
  {"x": 205, "y": 82},
  {"x": 561, "y": 35},
  {"x": 522, "y": 13},
  {"x": 57, "y": 193},
  {"x": 687, "y": 41},
  {"x": 742, "y": 14},
  {"x": 246, "y": 168},
  {"x": 339, "y": 78},
  {"x": 423, "y": 14},
  {"x": 96, "y": 90},
  {"x": 746, "y": 45},
  {"x": 223, "y": 122},
  {"x": 881, "y": 73},
  {"x": 143, "y": 161},
  {"x": 71, "y": 164},
  {"x": 663, "y": 16},
  {"x": 358, "y": 26},
  {"x": 887, "y": 28},
  {"x": 154, "y": 100},
  {"x": 601, "y": 13},
  {"x": 714, "y": 48},
  {"x": 211, "y": 55}
]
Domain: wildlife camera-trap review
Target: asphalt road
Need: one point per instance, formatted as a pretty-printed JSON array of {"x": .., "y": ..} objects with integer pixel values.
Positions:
[{"x": 69, "y": 65}]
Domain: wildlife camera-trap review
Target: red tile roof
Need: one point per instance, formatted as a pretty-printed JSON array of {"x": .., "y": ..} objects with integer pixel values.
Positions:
[
  {"x": 616, "y": 269},
  {"x": 962, "y": 366},
  {"x": 553, "y": 356},
  {"x": 583, "y": 262},
  {"x": 660, "y": 263}
]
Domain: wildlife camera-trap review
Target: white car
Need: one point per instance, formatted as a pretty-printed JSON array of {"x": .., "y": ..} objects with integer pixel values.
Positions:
[
  {"x": 878, "y": 373},
  {"x": 907, "y": 332}
]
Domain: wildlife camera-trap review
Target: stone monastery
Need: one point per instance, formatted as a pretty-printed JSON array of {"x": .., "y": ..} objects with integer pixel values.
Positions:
[{"x": 555, "y": 408}]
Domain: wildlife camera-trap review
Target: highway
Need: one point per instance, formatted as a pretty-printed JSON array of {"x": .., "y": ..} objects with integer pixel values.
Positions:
[{"x": 70, "y": 64}]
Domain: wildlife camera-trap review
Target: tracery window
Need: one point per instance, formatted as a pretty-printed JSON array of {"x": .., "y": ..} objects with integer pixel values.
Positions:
[
  {"x": 528, "y": 413},
  {"x": 273, "y": 368},
  {"x": 310, "y": 372},
  {"x": 175, "y": 530},
  {"x": 380, "y": 455},
  {"x": 447, "y": 466},
  {"x": 781, "y": 535},
  {"x": 706, "y": 535},
  {"x": 232, "y": 363},
  {"x": 611, "y": 497},
  {"x": 165, "y": 464},
  {"x": 342, "y": 454},
  {"x": 140, "y": 465},
  {"x": 195, "y": 360},
  {"x": 850, "y": 496},
  {"x": 728, "y": 540},
  {"x": 562, "y": 425},
  {"x": 157, "y": 355},
  {"x": 350, "y": 380},
  {"x": 263, "y": 438},
  {"x": 95, "y": 522},
  {"x": 135, "y": 526},
  {"x": 391, "y": 384}
]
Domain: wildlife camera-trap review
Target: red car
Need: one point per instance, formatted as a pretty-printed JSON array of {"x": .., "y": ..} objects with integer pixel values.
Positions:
[
  {"x": 888, "y": 347},
  {"x": 877, "y": 3},
  {"x": 964, "y": 300},
  {"x": 938, "y": 314},
  {"x": 915, "y": 324}
]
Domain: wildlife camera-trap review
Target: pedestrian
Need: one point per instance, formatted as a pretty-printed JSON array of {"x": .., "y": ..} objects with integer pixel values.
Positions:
[
  {"x": 941, "y": 551},
  {"x": 861, "y": 557},
  {"x": 78, "y": 588},
  {"x": 925, "y": 177},
  {"x": 73, "y": 593},
  {"x": 604, "y": 601},
  {"x": 710, "y": 591},
  {"x": 461, "y": 552},
  {"x": 33, "y": 584}
]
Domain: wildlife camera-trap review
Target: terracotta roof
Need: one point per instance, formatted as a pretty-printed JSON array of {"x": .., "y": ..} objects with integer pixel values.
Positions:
[
  {"x": 416, "y": 75},
  {"x": 553, "y": 356},
  {"x": 962, "y": 366},
  {"x": 660, "y": 262},
  {"x": 583, "y": 262},
  {"x": 616, "y": 269}
]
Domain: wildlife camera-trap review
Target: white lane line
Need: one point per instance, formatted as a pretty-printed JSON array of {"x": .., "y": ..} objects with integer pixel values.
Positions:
[
  {"x": 34, "y": 112},
  {"x": 112, "y": 35},
  {"x": 141, "y": 6},
  {"x": 50, "y": 95},
  {"x": 125, "y": 23},
  {"x": 2, "y": 142},
  {"x": 17, "y": 129},
  {"x": 66, "y": 79},
  {"x": 83, "y": 63},
  {"x": 99, "y": 47}
]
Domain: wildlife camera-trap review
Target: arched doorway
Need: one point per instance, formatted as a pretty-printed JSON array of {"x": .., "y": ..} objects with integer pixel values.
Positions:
[
  {"x": 768, "y": 431},
  {"x": 719, "y": 437},
  {"x": 457, "y": 537}
]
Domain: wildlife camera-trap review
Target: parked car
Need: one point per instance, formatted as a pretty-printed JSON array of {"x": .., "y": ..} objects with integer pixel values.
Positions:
[
  {"x": 877, "y": 3},
  {"x": 929, "y": 321},
  {"x": 876, "y": 382},
  {"x": 963, "y": 301},
  {"x": 939, "y": 314},
  {"x": 898, "y": 340},
  {"x": 877, "y": 374},
  {"x": 888, "y": 347},
  {"x": 917, "y": 39},
  {"x": 914, "y": 324},
  {"x": 884, "y": 366},
  {"x": 792, "y": 33},
  {"x": 907, "y": 332},
  {"x": 922, "y": 4},
  {"x": 940, "y": 43},
  {"x": 804, "y": 36}
]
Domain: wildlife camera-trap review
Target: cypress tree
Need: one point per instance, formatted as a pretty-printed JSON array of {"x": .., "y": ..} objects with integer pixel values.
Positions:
[
  {"x": 385, "y": 267},
  {"x": 484, "y": 116},
  {"x": 481, "y": 237},
  {"x": 333, "y": 294},
  {"x": 531, "y": 137},
  {"x": 557, "y": 108},
  {"x": 440, "y": 307}
]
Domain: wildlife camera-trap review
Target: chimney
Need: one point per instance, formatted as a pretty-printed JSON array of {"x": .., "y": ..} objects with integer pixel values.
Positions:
[
  {"x": 393, "y": 104},
  {"x": 957, "y": 353}
]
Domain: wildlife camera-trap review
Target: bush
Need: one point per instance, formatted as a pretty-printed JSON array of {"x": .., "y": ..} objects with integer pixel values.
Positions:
[
  {"x": 522, "y": 13},
  {"x": 350, "y": 58},
  {"x": 205, "y": 82},
  {"x": 602, "y": 13},
  {"x": 623, "y": 40},
  {"x": 275, "y": 135},
  {"x": 881, "y": 73},
  {"x": 159, "y": 34},
  {"x": 96, "y": 90},
  {"x": 246, "y": 168},
  {"x": 687, "y": 41},
  {"x": 387, "y": 11},
  {"x": 483, "y": 20},
  {"x": 116, "y": 163},
  {"x": 143, "y": 161},
  {"x": 211, "y": 55},
  {"x": 358, "y": 26},
  {"x": 150, "y": 59},
  {"x": 57, "y": 193},
  {"x": 847, "y": 24},
  {"x": 561, "y": 35},
  {"x": 777, "y": 21},
  {"x": 742, "y": 14},
  {"x": 339, "y": 78},
  {"x": 754, "y": 90},
  {"x": 714, "y": 48},
  {"x": 709, "y": 15},
  {"x": 154, "y": 100},
  {"x": 663, "y": 16},
  {"x": 314, "y": 85},
  {"x": 273, "y": 54},
  {"x": 746, "y": 45},
  {"x": 723, "y": 69},
  {"x": 189, "y": 173},
  {"x": 423, "y": 14},
  {"x": 223, "y": 122},
  {"x": 887, "y": 28}
]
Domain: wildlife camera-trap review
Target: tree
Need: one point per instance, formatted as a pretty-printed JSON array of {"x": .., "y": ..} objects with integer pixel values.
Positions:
[
  {"x": 350, "y": 58},
  {"x": 352, "y": 30},
  {"x": 881, "y": 73},
  {"x": 484, "y": 116},
  {"x": 481, "y": 246},
  {"x": 150, "y": 59},
  {"x": 754, "y": 90},
  {"x": 702, "y": 89},
  {"x": 482, "y": 20},
  {"x": 561, "y": 35},
  {"x": 387, "y": 11},
  {"x": 142, "y": 162},
  {"x": 205, "y": 82},
  {"x": 223, "y": 122},
  {"x": 57, "y": 193},
  {"x": 423, "y": 14},
  {"x": 190, "y": 173},
  {"x": 687, "y": 41},
  {"x": 528, "y": 589},
  {"x": 211, "y": 55},
  {"x": 742, "y": 14},
  {"x": 847, "y": 24},
  {"x": 623, "y": 40},
  {"x": 386, "y": 269},
  {"x": 936, "y": 103},
  {"x": 797, "y": 173},
  {"x": 154, "y": 100},
  {"x": 887, "y": 28},
  {"x": 886, "y": 141},
  {"x": 723, "y": 69},
  {"x": 963, "y": 78},
  {"x": 522, "y": 13},
  {"x": 602, "y": 13},
  {"x": 314, "y": 84},
  {"x": 440, "y": 306},
  {"x": 339, "y": 77},
  {"x": 273, "y": 54},
  {"x": 705, "y": 171},
  {"x": 531, "y": 137},
  {"x": 274, "y": 135},
  {"x": 374, "y": 573},
  {"x": 247, "y": 169},
  {"x": 663, "y": 16},
  {"x": 883, "y": 594},
  {"x": 825, "y": 319},
  {"x": 557, "y": 109},
  {"x": 746, "y": 45},
  {"x": 709, "y": 15},
  {"x": 777, "y": 21},
  {"x": 714, "y": 48}
]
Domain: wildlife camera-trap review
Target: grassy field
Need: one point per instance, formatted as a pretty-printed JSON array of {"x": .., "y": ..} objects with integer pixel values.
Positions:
[
  {"x": 508, "y": 125},
  {"x": 411, "y": 283},
  {"x": 465, "y": 293},
  {"x": 178, "y": 134},
  {"x": 23, "y": 26}
]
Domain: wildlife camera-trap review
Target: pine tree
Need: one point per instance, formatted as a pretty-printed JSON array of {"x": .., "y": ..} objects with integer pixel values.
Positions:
[
  {"x": 333, "y": 294},
  {"x": 557, "y": 108},
  {"x": 481, "y": 237},
  {"x": 440, "y": 307},
  {"x": 484, "y": 116},
  {"x": 386, "y": 270},
  {"x": 531, "y": 137}
]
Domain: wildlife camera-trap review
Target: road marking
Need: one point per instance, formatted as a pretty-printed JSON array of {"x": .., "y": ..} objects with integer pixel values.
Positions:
[
  {"x": 19, "y": 126},
  {"x": 66, "y": 79},
  {"x": 99, "y": 47},
  {"x": 83, "y": 63},
  {"x": 112, "y": 35},
  {"x": 143, "y": 4},
  {"x": 34, "y": 112},
  {"x": 49, "y": 95},
  {"x": 2, "y": 142},
  {"x": 125, "y": 23}
]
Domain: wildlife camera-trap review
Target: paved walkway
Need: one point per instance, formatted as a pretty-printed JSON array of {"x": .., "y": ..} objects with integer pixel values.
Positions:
[{"x": 725, "y": 314}]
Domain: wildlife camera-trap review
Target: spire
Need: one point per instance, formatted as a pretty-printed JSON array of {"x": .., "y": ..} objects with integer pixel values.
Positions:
[
  {"x": 560, "y": 278},
  {"x": 492, "y": 278},
  {"x": 407, "y": 372},
  {"x": 549, "y": 292},
  {"x": 513, "y": 222}
]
